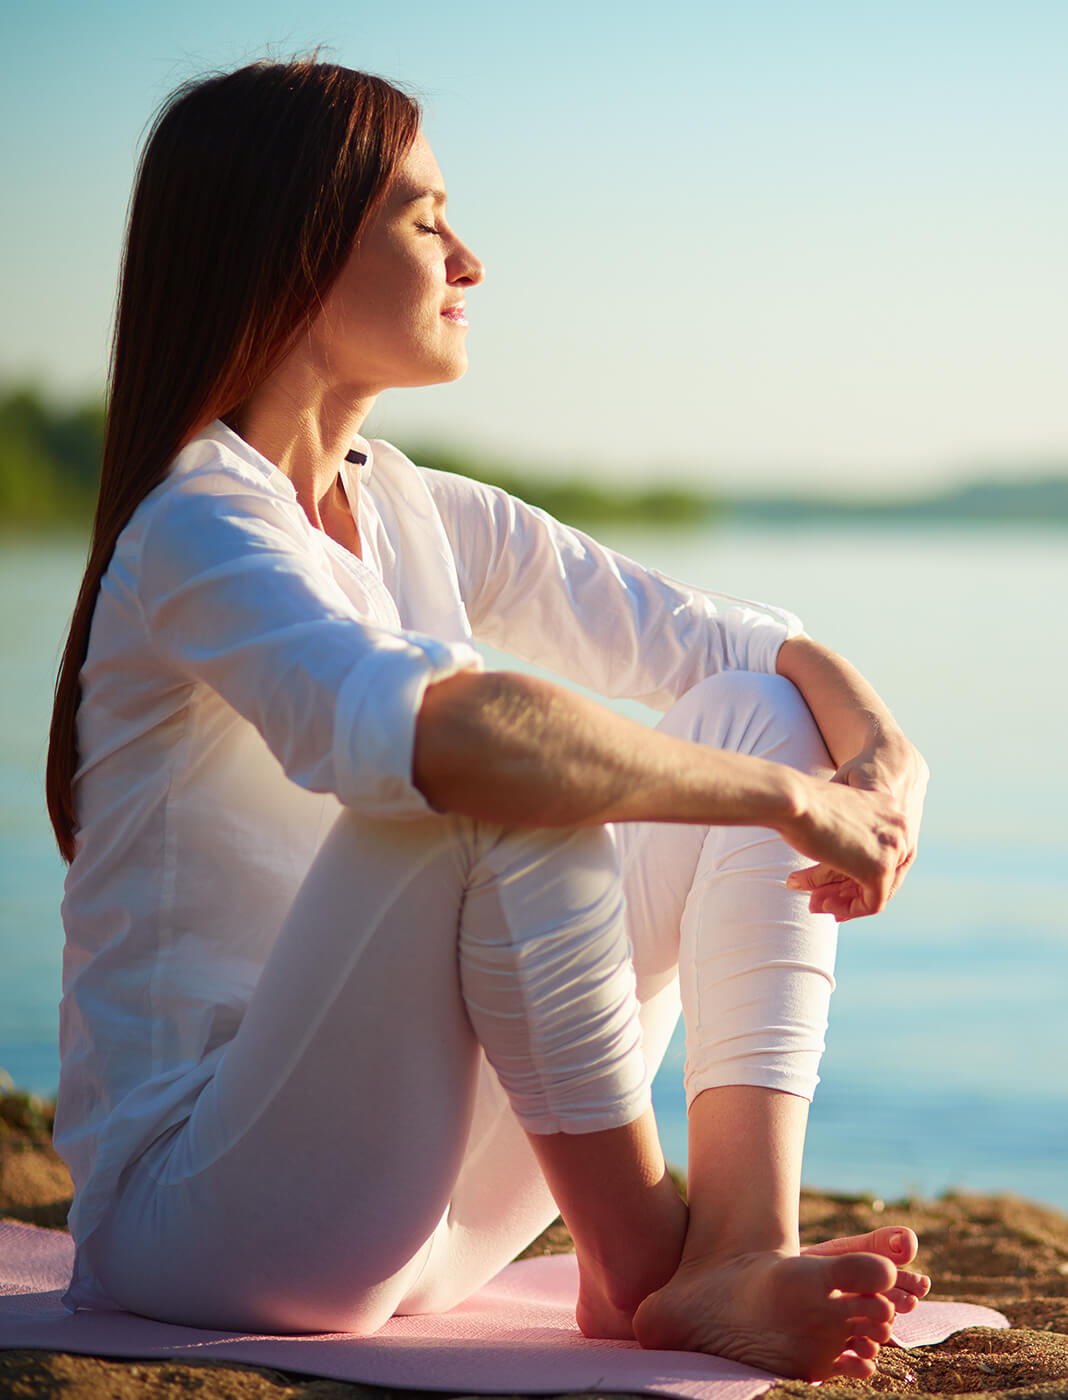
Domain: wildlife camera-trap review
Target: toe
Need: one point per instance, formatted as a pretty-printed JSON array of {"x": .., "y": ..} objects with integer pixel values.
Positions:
[
  {"x": 876, "y": 1332},
  {"x": 919, "y": 1285},
  {"x": 870, "y": 1317},
  {"x": 853, "y": 1367},
  {"x": 864, "y": 1347},
  {"x": 902, "y": 1302},
  {"x": 861, "y": 1273},
  {"x": 908, "y": 1290},
  {"x": 895, "y": 1242}
]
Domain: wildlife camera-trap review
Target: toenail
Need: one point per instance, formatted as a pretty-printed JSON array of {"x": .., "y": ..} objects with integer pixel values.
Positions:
[{"x": 897, "y": 1241}]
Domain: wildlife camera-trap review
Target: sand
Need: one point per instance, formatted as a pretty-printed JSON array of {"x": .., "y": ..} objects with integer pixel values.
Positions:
[{"x": 1001, "y": 1251}]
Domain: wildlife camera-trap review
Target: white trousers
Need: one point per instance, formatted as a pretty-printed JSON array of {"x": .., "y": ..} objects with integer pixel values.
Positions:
[{"x": 441, "y": 988}]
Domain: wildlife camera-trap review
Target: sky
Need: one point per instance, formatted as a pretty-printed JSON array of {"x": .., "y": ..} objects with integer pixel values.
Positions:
[{"x": 764, "y": 244}]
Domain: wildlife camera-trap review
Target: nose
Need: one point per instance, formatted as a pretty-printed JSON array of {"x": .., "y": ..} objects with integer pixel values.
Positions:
[{"x": 464, "y": 269}]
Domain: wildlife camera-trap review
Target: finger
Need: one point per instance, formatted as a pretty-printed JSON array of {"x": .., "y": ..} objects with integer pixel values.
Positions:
[
  {"x": 836, "y": 905},
  {"x": 846, "y": 900},
  {"x": 842, "y": 903},
  {"x": 875, "y": 894},
  {"x": 902, "y": 871},
  {"x": 858, "y": 908},
  {"x": 839, "y": 890},
  {"x": 811, "y": 877}
]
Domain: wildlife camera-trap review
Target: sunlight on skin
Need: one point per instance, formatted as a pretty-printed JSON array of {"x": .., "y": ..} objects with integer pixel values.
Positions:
[{"x": 743, "y": 1289}]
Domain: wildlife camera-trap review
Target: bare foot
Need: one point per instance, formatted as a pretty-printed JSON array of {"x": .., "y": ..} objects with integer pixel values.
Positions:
[
  {"x": 600, "y": 1315},
  {"x": 810, "y": 1316},
  {"x": 894, "y": 1242}
]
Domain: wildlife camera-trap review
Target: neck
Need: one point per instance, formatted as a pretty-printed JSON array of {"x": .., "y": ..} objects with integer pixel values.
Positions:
[{"x": 305, "y": 434}]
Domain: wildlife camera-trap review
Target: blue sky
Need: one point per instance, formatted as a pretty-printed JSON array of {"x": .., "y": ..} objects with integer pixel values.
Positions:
[{"x": 756, "y": 243}]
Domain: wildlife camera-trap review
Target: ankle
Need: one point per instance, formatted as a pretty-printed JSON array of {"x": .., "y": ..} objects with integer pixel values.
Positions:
[
  {"x": 710, "y": 1243},
  {"x": 640, "y": 1256},
  {"x": 745, "y": 1171}
]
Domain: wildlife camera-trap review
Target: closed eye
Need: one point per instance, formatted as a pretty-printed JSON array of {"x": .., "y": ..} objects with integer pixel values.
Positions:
[{"x": 429, "y": 228}]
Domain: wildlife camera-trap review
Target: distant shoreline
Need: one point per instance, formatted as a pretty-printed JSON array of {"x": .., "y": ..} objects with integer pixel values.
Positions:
[
  {"x": 50, "y": 462},
  {"x": 587, "y": 505}
]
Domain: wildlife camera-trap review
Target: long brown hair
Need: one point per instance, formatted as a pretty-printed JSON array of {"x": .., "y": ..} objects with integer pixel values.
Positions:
[{"x": 252, "y": 189}]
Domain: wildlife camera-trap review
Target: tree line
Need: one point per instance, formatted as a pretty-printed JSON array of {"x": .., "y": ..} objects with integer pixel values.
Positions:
[
  {"x": 49, "y": 457},
  {"x": 50, "y": 467}
]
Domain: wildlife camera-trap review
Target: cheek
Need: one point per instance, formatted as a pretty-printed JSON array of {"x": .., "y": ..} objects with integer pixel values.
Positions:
[
  {"x": 418, "y": 305},
  {"x": 387, "y": 302}
]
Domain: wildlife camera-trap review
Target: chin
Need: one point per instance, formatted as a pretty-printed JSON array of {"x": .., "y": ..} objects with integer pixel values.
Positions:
[{"x": 444, "y": 372}]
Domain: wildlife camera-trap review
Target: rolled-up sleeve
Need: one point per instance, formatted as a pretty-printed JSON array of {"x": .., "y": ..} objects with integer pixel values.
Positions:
[
  {"x": 234, "y": 594},
  {"x": 553, "y": 596}
]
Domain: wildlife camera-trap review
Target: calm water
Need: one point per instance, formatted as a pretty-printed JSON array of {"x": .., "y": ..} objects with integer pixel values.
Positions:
[{"x": 947, "y": 1062}]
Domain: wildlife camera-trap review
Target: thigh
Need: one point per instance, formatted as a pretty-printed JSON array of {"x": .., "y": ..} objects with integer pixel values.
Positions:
[
  {"x": 563, "y": 1038},
  {"x": 335, "y": 1167},
  {"x": 500, "y": 1203},
  {"x": 302, "y": 1192}
]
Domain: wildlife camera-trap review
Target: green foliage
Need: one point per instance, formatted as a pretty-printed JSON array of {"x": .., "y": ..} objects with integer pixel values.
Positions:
[
  {"x": 580, "y": 502},
  {"x": 50, "y": 466},
  {"x": 49, "y": 457}
]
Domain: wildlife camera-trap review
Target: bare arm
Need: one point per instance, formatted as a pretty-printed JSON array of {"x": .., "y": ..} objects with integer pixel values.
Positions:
[
  {"x": 851, "y": 717},
  {"x": 867, "y": 746},
  {"x": 523, "y": 752}
]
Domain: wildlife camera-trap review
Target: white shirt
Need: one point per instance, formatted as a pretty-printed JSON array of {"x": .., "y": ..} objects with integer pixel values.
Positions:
[{"x": 245, "y": 676}]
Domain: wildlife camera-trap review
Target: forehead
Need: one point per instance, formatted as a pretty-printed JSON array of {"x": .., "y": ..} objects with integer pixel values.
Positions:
[{"x": 418, "y": 173}]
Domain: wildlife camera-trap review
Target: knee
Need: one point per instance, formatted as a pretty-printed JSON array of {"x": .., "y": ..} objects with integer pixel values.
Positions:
[{"x": 764, "y": 716}]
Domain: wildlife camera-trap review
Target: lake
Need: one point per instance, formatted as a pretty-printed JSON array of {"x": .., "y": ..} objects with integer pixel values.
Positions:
[{"x": 947, "y": 1060}]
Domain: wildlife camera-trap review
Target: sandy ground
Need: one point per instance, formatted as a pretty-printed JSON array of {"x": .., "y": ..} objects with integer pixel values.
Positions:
[{"x": 1001, "y": 1251}]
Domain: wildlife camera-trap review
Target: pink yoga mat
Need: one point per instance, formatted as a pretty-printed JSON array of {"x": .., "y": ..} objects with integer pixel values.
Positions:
[{"x": 517, "y": 1335}]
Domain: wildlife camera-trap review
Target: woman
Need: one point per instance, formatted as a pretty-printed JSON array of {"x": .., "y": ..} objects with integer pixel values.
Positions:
[{"x": 360, "y": 984}]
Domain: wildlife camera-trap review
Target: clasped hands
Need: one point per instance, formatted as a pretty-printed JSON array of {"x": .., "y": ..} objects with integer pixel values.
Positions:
[{"x": 896, "y": 776}]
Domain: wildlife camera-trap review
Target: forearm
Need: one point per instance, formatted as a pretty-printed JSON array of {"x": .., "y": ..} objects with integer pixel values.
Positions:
[
  {"x": 517, "y": 751},
  {"x": 867, "y": 746},
  {"x": 523, "y": 752},
  {"x": 850, "y": 715}
]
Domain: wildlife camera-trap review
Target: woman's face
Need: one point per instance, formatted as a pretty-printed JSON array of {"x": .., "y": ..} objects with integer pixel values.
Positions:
[{"x": 395, "y": 315}]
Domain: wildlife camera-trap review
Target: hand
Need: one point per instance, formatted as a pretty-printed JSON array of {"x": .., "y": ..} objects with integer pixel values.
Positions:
[
  {"x": 895, "y": 770},
  {"x": 899, "y": 771}
]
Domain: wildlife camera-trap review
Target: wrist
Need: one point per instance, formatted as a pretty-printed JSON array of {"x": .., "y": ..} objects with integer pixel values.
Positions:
[
  {"x": 891, "y": 756},
  {"x": 787, "y": 799}
]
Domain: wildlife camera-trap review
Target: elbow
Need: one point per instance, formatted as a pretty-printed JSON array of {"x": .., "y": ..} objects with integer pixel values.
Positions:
[{"x": 454, "y": 738}]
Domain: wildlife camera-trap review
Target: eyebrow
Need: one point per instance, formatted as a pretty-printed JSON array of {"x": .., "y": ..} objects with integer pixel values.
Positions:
[{"x": 438, "y": 196}]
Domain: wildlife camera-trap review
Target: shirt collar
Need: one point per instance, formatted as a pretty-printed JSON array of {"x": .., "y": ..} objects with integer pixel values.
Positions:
[
  {"x": 361, "y": 470},
  {"x": 233, "y": 442},
  {"x": 219, "y": 432}
]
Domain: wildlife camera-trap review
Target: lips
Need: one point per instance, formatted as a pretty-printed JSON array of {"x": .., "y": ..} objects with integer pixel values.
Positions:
[{"x": 455, "y": 314}]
